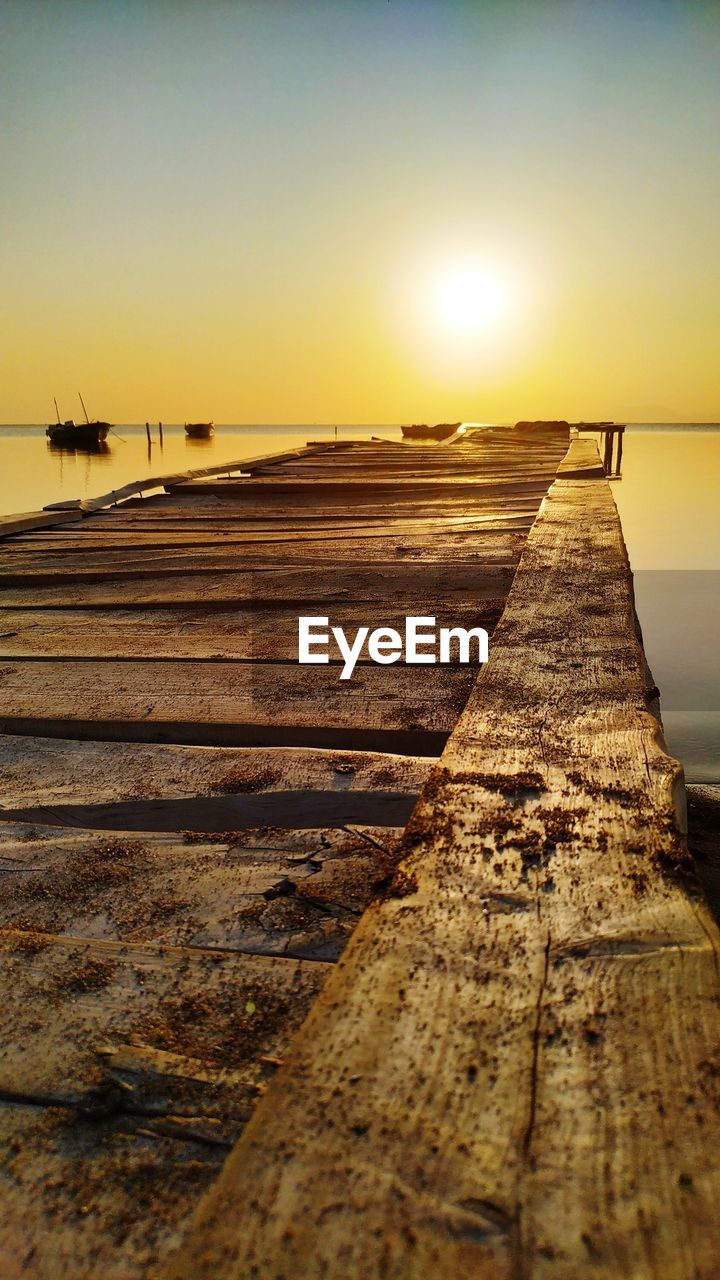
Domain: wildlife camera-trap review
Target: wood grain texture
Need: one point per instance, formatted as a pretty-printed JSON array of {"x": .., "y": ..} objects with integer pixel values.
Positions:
[
  {"x": 238, "y": 634},
  {"x": 106, "y": 539},
  {"x": 264, "y": 891},
  {"x": 487, "y": 550},
  {"x": 52, "y": 772},
  {"x": 126, "y": 1071},
  {"x": 232, "y": 703},
  {"x": 15, "y": 524},
  {"x": 259, "y": 522},
  {"x": 583, "y": 461},
  {"x": 514, "y": 1070},
  {"x": 17, "y": 555},
  {"x": 400, "y": 584}
]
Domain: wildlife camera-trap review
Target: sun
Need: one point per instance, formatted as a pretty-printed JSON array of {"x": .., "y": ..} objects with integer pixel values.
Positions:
[{"x": 470, "y": 299}]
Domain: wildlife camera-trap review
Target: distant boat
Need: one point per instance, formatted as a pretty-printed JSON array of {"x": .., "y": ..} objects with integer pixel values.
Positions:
[
  {"x": 421, "y": 431},
  {"x": 77, "y": 435},
  {"x": 199, "y": 430}
]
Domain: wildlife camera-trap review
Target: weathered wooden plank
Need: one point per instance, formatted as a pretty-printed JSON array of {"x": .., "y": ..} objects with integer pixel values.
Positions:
[
  {"x": 457, "y": 464},
  {"x": 150, "y": 1061},
  {"x": 84, "y": 1194},
  {"x": 262, "y": 518},
  {"x": 489, "y": 548},
  {"x": 482, "y": 459},
  {"x": 401, "y": 470},
  {"x": 489, "y": 531},
  {"x": 239, "y": 634},
  {"x": 400, "y": 584},
  {"x": 15, "y": 524},
  {"x": 133, "y": 539},
  {"x": 582, "y": 461},
  {"x": 515, "y": 1071},
  {"x": 304, "y": 506},
  {"x": 51, "y": 772},
  {"x": 87, "y": 506},
  {"x": 475, "y": 459},
  {"x": 279, "y": 528},
  {"x": 409, "y": 517},
  {"x": 97, "y": 685},
  {"x": 279, "y": 483},
  {"x": 227, "y": 703},
  {"x": 232, "y": 891},
  {"x": 104, "y": 993},
  {"x": 259, "y": 522},
  {"x": 302, "y": 808}
]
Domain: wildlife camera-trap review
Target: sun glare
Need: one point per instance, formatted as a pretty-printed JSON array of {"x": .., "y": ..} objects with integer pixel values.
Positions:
[{"x": 470, "y": 299}]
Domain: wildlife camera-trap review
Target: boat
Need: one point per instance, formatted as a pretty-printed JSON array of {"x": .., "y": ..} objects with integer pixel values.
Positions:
[
  {"x": 421, "y": 431},
  {"x": 199, "y": 430},
  {"x": 77, "y": 435},
  {"x": 82, "y": 435}
]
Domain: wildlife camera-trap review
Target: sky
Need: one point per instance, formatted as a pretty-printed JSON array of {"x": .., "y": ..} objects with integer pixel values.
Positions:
[{"x": 360, "y": 210}]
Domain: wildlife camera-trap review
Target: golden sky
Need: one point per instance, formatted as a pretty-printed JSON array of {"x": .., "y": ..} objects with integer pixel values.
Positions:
[{"x": 360, "y": 211}]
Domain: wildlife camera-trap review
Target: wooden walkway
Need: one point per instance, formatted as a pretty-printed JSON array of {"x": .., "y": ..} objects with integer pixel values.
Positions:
[
  {"x": 514, "y": 1070},
  {"x": 174, "y": 618}
]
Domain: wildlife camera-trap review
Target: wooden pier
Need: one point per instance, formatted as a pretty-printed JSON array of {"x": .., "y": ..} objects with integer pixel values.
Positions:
[
  {"x": 514, "y": 1069},
  {"x": 612, "y": 435}
]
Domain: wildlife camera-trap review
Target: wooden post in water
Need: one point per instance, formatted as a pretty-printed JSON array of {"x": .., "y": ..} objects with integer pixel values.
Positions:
[{"x": 607, "y": 456}]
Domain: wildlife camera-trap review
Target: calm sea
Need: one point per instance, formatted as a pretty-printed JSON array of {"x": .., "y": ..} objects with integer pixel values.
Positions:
[{"x": 668, "y": 498}]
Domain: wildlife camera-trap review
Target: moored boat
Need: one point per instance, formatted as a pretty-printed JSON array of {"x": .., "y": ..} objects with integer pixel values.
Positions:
[
  {"x": 421, "y": 431},
  {"x": 199, "y": 430},
  {"x": 83, "y": 435},
  {"x": 77, "y": 435}
]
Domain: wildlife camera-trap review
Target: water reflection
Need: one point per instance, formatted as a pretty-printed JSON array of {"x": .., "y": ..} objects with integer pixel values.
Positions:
[
  {"x": 668, "y": 503},
  {"x": 32, "y": 475},
  {"x": 98, "y": 447}
]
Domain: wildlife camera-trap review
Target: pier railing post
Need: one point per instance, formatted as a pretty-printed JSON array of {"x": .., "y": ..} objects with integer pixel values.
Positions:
[
  {"x": 607, "y": 456},
  {"x": 618, "y": 464}
]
